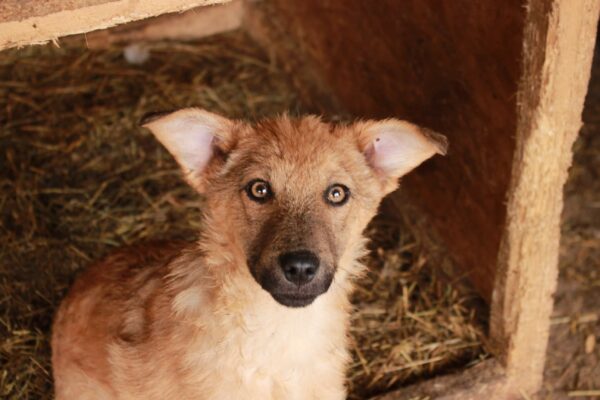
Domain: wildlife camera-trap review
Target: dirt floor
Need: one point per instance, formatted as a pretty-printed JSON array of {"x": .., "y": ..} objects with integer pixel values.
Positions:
[
  {"x": 573, "y": 364},
  {"x": 79, "y": 178}
]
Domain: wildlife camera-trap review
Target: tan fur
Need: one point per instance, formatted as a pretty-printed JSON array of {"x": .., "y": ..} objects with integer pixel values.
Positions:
[{"x": 189, "y": 321}]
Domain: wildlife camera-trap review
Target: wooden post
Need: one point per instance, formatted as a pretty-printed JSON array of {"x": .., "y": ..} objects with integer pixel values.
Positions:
[{"x": 557, "y": 57}]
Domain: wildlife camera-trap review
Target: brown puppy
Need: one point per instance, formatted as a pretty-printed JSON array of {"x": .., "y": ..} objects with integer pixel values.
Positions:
[{"x": 258, "y": 308}]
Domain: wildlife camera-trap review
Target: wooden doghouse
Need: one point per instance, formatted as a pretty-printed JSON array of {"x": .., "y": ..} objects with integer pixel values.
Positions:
[{"x": 504, "y": 80}]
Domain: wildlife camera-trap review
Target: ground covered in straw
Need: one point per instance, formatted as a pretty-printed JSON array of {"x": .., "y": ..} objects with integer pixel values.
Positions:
[{"x": 78, "y": 178}]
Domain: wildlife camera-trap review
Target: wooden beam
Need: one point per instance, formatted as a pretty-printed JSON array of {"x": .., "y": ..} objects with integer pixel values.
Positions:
[
  {"x": 25, "y": 22},
  {"x": 190, "y": 25},
  {"x": 557, "y": 58},
  {"x": 483, "y": 381}
]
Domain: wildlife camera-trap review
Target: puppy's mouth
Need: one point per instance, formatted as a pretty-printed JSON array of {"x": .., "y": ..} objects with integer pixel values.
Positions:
[
  {"x": 295, "y": 300},
  {"x": 293, "y": 296}
]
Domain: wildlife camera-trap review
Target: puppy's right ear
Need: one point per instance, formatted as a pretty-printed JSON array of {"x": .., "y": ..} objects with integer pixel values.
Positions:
[
  {"x": 194, "y": 137},
  {"x": 393, "y": 148}
]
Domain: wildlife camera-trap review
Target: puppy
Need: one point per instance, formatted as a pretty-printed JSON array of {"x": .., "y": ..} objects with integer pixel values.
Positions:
[{"x": 258, "y": 308}]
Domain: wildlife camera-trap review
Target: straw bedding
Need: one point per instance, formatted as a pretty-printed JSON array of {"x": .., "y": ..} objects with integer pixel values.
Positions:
[{"x": 79, "y": 178}]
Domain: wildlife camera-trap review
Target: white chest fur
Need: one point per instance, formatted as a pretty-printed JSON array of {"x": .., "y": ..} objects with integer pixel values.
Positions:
[{"x": 267, "y": 351}]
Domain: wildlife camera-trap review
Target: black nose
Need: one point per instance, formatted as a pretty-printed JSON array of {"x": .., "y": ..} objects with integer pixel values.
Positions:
[{"x": 299, "y": 267}]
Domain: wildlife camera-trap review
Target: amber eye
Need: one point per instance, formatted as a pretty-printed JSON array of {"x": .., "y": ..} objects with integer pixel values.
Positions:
[
  {"x": 337, "y": 194},
  {"x": 259, "y": 190}
]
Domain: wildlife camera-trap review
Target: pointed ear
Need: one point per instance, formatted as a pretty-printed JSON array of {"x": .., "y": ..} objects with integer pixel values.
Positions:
[
  {"x": 393, "y": 147},
  {"x": 193, "y": 136}
]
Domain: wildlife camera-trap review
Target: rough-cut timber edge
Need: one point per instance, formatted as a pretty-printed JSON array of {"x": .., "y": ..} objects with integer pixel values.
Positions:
[
  {"x": 190, "y": 25},
  {"x": 485, "y": 381},
  {"x": 61, "y": 18},
  {"x": 452, "y": 66},
  {"x": 557, "y": 58}
]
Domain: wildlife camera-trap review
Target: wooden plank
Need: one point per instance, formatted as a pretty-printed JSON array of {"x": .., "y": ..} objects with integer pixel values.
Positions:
[
  {"x": 484, "y": 381},
  {"x": 16, "y": 10},
  {"x": 451, "y": 65},
  {"x": 557, "y": 58},
  {"x": 29, "y": 22},
  {"x": 190, "y": 25}
]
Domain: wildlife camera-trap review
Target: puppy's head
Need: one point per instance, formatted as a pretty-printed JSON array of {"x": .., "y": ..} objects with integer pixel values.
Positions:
[{"x": 293, "y": 195}]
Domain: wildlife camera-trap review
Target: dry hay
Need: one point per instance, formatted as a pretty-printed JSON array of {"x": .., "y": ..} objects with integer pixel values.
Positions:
[
  {"x": 79, "y": 178},
  {"x": 410, "y": 322}
]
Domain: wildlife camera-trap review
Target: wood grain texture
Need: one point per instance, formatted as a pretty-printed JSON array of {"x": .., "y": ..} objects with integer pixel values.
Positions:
[
  {"x": 450, "y": 65},
  {"x": 483, "y": 381},
  {"x": 16, "y": 10},
  {"x": 34, "y": 25},
  {"x": 557, "y": 52},
  {"x": 190, "y": 25}
]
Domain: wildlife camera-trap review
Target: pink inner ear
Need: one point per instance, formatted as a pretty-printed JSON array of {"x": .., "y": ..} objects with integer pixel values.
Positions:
[
  {"x": 396, "y": 149},
  {"x": 189, "y": 138},
  {"x": 391, "y": 150},
  {"x": 191, "y": 143},
  {"x": 190, "y": 135}
]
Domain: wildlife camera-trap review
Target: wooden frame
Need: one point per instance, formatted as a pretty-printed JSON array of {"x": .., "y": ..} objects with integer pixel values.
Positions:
[{"x": 505, "y": 80}]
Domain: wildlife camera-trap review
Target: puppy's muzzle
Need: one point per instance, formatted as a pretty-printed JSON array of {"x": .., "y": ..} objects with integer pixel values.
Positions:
[{"x": 294, "y": 278}]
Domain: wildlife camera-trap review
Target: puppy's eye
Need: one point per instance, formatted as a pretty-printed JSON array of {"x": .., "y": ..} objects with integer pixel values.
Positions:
[
  {"x": 259, "y": 190},
  {"x": 337, "y": 194}
]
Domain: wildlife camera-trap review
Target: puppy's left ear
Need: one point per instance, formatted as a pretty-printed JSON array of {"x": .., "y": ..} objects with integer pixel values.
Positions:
[
  {"x": 393, "y": 148},
  {"x": 195, "y": 137}
]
